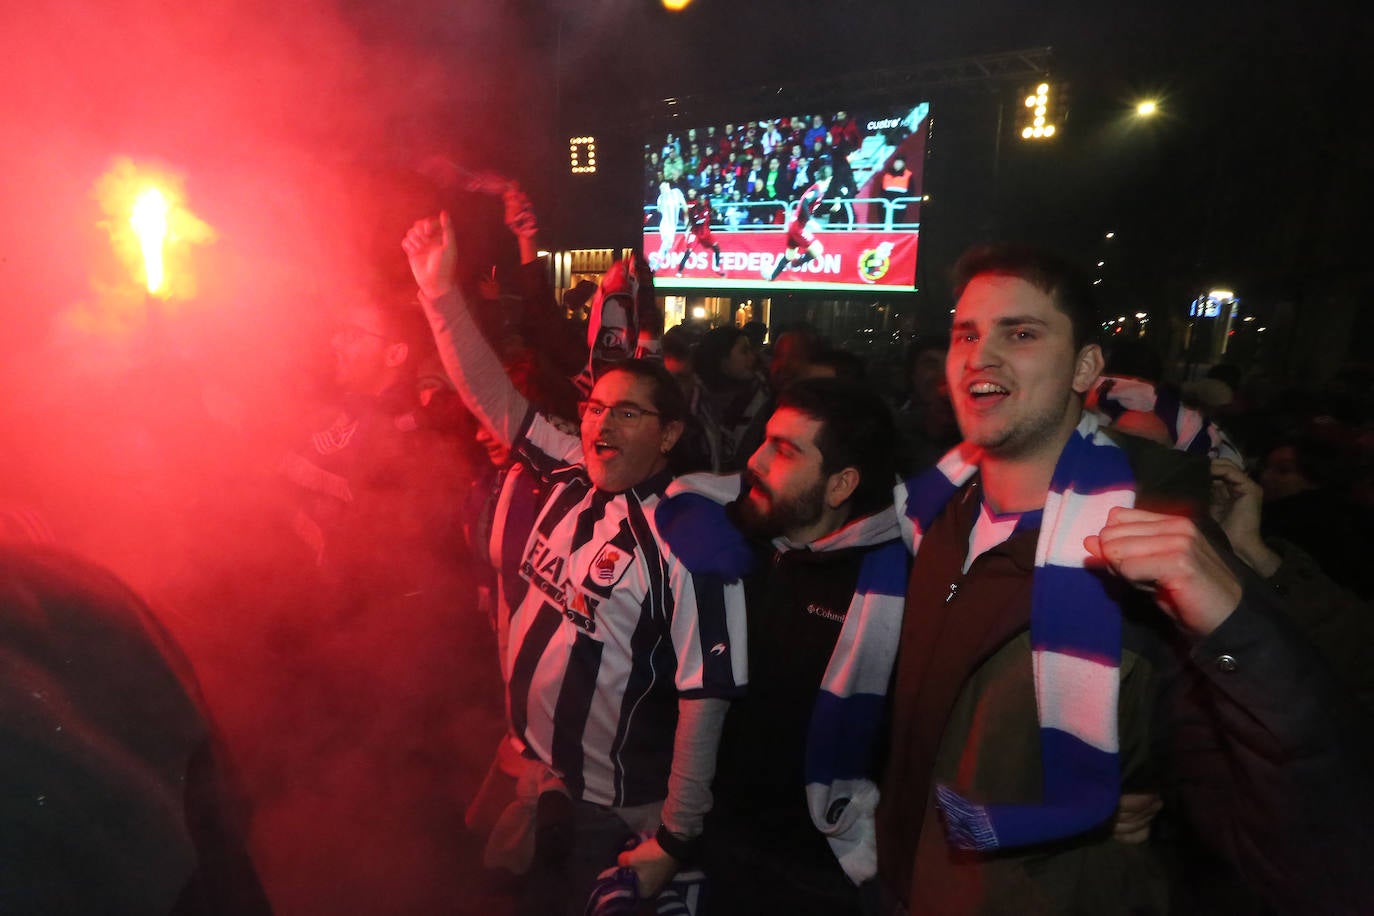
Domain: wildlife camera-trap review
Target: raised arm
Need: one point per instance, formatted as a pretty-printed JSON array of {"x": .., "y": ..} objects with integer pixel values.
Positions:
[
  {"x": 555, "y": 339},
  {"x": 471, "y": 363}
]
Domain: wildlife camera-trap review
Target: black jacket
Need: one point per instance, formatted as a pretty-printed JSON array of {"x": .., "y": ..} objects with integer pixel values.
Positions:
[{"x": 114, "y": 795}]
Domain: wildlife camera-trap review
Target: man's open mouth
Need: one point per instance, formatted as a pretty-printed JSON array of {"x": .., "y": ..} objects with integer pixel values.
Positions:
[{"x": 985, "y": 391}]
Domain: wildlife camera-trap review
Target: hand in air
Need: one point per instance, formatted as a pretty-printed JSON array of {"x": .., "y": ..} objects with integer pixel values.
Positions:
[
  {"x": 433, "y": 253},
  {"x": 520, "y": 218},
  {"x": 1235, "y": 506}
]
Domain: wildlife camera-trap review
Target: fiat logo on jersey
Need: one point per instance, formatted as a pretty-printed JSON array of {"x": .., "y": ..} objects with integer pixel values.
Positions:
[{"x": 874, "y": 263}]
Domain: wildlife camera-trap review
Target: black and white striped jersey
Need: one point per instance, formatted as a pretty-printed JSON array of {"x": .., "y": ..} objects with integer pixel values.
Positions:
[{"x": 609, "y": 631}]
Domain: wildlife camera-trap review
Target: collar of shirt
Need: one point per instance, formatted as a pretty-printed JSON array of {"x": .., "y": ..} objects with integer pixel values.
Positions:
[{"x": 992, "y": 530}]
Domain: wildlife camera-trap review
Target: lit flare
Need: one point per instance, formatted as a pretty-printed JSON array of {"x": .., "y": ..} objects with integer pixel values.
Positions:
[
  {"x": 149, "y": 221},
  {"x": 151, "y": 229}
]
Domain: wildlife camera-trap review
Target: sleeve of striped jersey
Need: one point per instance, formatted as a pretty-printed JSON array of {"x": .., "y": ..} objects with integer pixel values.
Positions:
[
  {"x": 474, "y": 368},
  {"x": 699, "y": 724},
  {"x": 545, "y": 447},
  {"x": 708, "y": 632}
]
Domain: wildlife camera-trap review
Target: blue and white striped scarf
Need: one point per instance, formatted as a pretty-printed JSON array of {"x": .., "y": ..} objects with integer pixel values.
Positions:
[
  {"x": 1075, "y": 630},
  {"x": 851, "y": 702},
  {"x": 1189, "y": 429},
  {"x": 851, "y": 705}
]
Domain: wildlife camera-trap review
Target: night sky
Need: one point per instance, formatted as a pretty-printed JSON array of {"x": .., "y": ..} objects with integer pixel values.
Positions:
[
  {"x": 1255, "y": 176},
  {"x": 1257, "y": 172}
]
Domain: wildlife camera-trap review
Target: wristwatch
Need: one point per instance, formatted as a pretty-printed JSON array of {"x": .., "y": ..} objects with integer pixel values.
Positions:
[{"x": 684, "y": 849}]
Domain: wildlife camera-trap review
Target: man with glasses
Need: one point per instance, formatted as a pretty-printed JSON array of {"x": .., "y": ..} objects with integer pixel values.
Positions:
[
  {"x": 619, "y": 662},
  {"x": 366, "y": 480}
]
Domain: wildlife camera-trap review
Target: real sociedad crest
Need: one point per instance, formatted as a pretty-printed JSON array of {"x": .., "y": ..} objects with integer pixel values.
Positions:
[{"x": 610, "y": 564}]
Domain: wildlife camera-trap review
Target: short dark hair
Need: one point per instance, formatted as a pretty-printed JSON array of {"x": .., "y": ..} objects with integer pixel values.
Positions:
[
  {"x": 1135, "y": 358},
  {"x": 857, "y": 430},
  {"x": 845, "y": 364},
  {"x": 1327, "y": 453},
  {"x": 805, "y": 337},
  {"x": 756, "y": 331},
  {"x": 677, "y": 342},
  {"x": 1065, "y": 284},
  {"x": 926, "y": 343},
  {"x": 403, "y": 321},
  {"x": 712, "y": 351},
  {"x": 667, "y": 396}
]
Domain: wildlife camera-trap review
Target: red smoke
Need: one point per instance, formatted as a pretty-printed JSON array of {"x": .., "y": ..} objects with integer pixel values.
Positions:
[{"x": 148, "y": 437}]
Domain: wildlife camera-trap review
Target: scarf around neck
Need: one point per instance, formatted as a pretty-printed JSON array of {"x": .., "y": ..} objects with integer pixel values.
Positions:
[
  {"x": 1075, "y": 631},
  {"x": 851, "y": 700}
]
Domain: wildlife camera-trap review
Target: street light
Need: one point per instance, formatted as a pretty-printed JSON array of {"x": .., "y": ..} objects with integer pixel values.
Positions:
[{"x": 1147, "y": 108}]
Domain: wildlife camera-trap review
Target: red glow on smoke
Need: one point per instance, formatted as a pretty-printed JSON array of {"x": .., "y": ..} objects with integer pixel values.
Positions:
[{"x": 144, "y": 420}]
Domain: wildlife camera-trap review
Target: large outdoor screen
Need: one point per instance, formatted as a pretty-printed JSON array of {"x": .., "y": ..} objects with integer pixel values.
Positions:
[{"x": 826, "y": 201}]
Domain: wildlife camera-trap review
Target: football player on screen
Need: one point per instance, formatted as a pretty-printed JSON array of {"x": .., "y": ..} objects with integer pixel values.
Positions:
[
  {"x": 671, "y": 203},
  {"x": 699, "y": 216},
  {"x": 802, "y": 242}
]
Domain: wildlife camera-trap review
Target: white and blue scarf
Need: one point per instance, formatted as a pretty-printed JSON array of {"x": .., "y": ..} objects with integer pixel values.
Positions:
[
  {"x": 1075, "y": 631},
  {"x": 1189, "y": 429},
  {"x": 851, "y": 702}
]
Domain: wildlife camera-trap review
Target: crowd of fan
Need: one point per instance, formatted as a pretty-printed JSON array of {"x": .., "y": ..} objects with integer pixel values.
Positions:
[
  {"x": 758, "y": 162},
  {"x": 453, "y": 470}
]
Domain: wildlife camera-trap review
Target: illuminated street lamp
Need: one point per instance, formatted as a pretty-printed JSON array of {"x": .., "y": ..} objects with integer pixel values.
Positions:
[{"x": 1147, "y": 108}]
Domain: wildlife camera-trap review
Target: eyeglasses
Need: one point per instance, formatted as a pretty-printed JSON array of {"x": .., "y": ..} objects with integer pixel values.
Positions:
[
  {"x": 624, "y": 414},
  {"x": 350, "y": 334}
]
